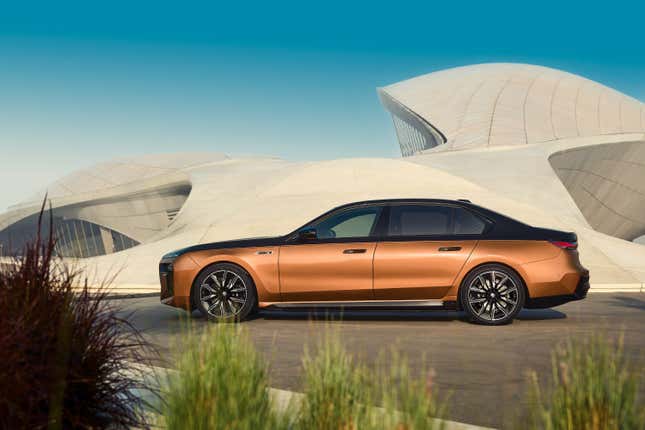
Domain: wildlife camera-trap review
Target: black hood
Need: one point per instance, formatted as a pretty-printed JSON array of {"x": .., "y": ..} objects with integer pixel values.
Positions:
[{"x": 238, "y": 243}]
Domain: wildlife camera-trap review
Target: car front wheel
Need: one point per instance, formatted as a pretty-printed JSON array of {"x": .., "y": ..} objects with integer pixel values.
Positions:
[
  {"x": 492, "y": 295},
  {"x": 224, "y": 292}
]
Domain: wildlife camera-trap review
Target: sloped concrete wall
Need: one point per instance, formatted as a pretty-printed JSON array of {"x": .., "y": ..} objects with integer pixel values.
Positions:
[{"x": 607, "y": 182}]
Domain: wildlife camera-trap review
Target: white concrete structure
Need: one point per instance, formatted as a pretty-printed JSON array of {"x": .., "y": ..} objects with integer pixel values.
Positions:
[
  {"x": 493, "y": 105},
  {"x": 546, "y": 147}
]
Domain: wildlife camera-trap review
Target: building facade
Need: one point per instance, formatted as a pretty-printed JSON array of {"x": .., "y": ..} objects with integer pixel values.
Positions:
[{"x": 541, "y": 145}]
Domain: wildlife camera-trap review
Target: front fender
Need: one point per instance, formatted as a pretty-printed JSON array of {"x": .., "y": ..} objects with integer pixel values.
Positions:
[{"x": 262, "y": 267}]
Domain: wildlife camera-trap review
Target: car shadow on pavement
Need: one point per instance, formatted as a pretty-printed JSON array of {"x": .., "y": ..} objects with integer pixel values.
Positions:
[
  {"x": 630, "y": 302},
  {"x": 409, "y": 315},
  {"x": 540, "y": 314}
]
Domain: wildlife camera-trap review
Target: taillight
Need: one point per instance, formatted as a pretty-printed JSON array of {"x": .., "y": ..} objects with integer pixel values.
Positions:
[{"x": 565, "y": 245}]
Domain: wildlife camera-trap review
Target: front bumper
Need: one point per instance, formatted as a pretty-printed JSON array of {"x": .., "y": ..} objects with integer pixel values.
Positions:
[
  {"x": 551, "y": 301},
  {"x": 166, "y": 279}
]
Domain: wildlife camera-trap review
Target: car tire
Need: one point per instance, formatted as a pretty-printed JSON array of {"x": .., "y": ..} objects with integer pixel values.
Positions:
[
  {"x": 224, "y": 292},
  {"x": 492, "y": 294}
]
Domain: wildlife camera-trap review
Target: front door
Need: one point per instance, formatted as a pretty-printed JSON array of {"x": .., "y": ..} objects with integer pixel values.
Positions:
[
  {"x": 336, "y": 266},
  {"x": 424, "y": 250}
]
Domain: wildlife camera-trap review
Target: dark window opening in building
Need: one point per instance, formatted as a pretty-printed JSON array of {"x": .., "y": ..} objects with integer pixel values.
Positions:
[{"x": 75, "y": 238}]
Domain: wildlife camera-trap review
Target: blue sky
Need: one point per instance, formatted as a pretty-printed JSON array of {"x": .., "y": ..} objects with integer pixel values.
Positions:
[{"x": 82, "y": 82}]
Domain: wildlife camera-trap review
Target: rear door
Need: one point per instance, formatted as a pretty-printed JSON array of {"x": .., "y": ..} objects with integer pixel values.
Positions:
[{"x": 424, "y": 248}]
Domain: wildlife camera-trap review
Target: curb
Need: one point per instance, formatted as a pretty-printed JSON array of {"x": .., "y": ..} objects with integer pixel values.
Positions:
[{"x": 618, "y": 288}]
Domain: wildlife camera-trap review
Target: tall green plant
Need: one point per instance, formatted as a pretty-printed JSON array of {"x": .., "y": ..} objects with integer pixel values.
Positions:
[
  {"x": 343, "y": 394},
  {"x": 410, "y": 402},
  {"x": 221, "y": 383},
  {"x": 593, "y": 386},
  {"x": 336, "y": 388}
]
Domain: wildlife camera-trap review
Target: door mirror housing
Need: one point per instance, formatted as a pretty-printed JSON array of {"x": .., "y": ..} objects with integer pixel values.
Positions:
[{"x": 307, "y": 235}]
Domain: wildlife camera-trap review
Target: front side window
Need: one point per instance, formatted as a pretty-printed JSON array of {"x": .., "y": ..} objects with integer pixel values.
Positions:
[
  {"x": 357, "y": 222},
  {"x": 433, "y": 220}
]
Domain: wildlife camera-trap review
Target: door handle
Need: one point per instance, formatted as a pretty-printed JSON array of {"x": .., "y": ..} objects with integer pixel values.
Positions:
[
  {"x": 355, "y": 251},
  {"x": 450, "y": 248}
]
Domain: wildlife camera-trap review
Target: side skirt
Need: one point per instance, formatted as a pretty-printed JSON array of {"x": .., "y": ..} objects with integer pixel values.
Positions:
[{"x": 371, "y": 304}]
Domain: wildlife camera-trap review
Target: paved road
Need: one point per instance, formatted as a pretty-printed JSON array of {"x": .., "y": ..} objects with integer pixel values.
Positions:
[{"x": 483, "y": 367}]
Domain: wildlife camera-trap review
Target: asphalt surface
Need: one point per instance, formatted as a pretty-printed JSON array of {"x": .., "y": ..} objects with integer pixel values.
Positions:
[{"x": 483, "y": 368}]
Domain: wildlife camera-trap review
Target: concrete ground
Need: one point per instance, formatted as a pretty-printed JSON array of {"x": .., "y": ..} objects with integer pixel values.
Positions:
[{"x": 483, "y": 368}]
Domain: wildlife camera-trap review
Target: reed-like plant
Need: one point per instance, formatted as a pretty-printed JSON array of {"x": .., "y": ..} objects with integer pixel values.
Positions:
[
  {"x": 341, "y": 393},
  {"x": 593, "y": 386},
  {"x": 221, "y": 383},
  {"x": 337, "y": 390},
  {"x": 410, "y": 402},
  {"x": 64, "y": 351}
]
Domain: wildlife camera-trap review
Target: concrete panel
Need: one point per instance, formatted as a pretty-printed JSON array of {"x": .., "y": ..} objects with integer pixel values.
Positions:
[
  {"x": 609, "y": 112},
  {"x": 587, "y": 109},
  {"x": 563, "y": 107},
  {"x": 476, "y": 124},
  {"x": 507, "y": 127},
  {"x": 607, "y": 183},
  {"x": 630, "y": 115},
  {"x": 489, "y": 105}
]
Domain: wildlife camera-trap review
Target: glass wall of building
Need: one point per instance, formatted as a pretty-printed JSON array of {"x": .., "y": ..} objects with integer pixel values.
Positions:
[
  {"x": 413, "y": 132},
  {"x": 75, "y": 238}
]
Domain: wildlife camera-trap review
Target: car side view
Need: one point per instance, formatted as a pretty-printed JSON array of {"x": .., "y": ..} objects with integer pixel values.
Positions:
[{"x": 384, "y": 254}]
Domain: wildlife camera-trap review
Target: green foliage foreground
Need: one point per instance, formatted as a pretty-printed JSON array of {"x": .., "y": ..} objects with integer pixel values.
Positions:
[
  {"x": 222, "y": 383},
  {"x": 593, "y": 387}
]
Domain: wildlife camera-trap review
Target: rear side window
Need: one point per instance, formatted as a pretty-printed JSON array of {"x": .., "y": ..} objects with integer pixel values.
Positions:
[
  {"x": 433, "y": 220},
  {"x": 421, "y": 220},
  {"x": 467, "y": 222}
]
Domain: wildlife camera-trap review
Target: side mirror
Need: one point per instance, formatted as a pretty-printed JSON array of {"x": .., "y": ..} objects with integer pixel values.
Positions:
[{"x": 307, "y": 235}]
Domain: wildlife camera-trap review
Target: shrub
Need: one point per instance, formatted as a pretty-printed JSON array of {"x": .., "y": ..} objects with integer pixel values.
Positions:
[
  {"x": 593, "y": 386},
  {"x": 221, "y": 383},
  {"x": 63, "y": 351}
]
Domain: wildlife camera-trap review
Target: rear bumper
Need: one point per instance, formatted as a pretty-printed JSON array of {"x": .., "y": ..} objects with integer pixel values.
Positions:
[{"x": 551, "y": 301}]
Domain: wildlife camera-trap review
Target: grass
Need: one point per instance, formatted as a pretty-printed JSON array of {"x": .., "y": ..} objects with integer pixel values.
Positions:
[
  {"x": 593, "y": 386},
  {"x": 337, "y": 388},
  {"x": 221, "y": 383},
  {"x": 342, "y": 393},
  {"x": 411, "y": 402},
  {"x": 64, "y": 352}
]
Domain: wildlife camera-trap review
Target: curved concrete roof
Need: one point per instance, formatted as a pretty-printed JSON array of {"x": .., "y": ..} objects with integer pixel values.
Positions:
[
  {"x": 514, "y": 104},
  {"x": 122, "y": 171}
]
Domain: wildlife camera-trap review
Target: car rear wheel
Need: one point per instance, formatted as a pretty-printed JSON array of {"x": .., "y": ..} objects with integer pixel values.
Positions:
[
  {"x": 492, "y": 295},
  {"x": 224, "y": 292}
]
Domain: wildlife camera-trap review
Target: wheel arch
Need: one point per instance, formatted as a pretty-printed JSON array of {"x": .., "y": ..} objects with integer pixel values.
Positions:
[
  {"x": 211, "y": 264},
  {"x": 506, "y": 265}
]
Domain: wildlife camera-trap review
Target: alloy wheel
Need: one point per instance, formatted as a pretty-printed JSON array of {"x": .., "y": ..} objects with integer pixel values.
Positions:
[
  {"x": 223, "y": 294},
  {"x": 493, "y": 295}
]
